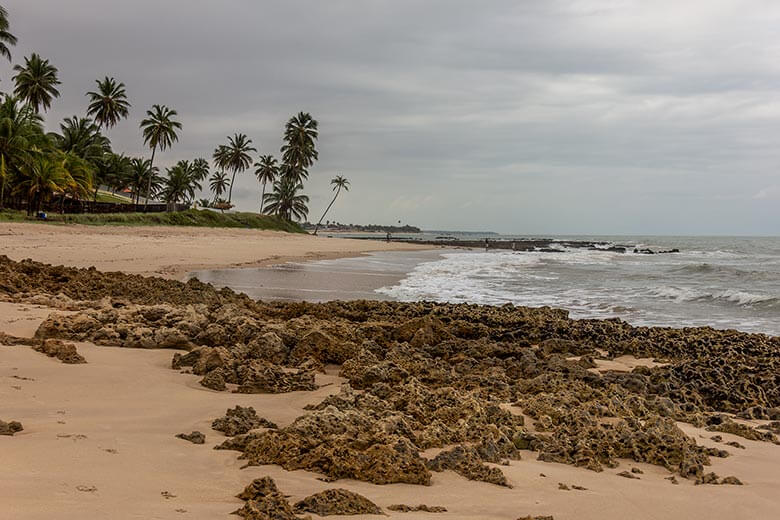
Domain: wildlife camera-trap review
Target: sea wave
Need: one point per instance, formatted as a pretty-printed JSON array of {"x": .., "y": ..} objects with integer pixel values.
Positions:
[{"x": 733, "y": 296}]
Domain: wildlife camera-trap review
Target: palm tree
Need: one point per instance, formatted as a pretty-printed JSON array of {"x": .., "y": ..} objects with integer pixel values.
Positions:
[
  {"x": 300, "y": 134},
  {"x": 42, "y": 175},
  {"x": 141, "y": 173},
  {"x": 339, "y": 183},
  {"x": 266, "y": 171},
  {"x": 234, "y": 156},
  {"x": 219, "y": 184},
  {"x": 82, "y": 137},
  {"x": 36, "y": 82},
  {"x": 285, "y": 201},
  {"x": 200, "y": 169},
  {"x": 109, "y": 104},
  {"x": 6, "y": 38},
  {"x": 20, "y": 130},
  {"x": 159, "y": 130},
  {"x": 179, "y": 185}
]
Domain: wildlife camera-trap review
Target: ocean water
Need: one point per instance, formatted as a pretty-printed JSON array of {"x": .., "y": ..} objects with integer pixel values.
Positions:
[{"x": 723, "y": 282}]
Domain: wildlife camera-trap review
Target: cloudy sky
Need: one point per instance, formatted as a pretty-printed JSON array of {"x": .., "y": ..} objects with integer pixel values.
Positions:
[{"x": 547, "y": 116}]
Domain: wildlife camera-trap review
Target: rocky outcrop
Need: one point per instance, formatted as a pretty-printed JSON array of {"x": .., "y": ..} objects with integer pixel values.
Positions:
[
  {"x": 240, "y": 420},
  {"x": 264, "y": 502},
  {"x": 422, "y": 508},
  {"x": 10, "y": 428},
  {"x": 195, "y": 437},
  {"x": 337, "y": 502},
  {"x": 425, "y": 375},
  {"x": 65, "y": 352}
]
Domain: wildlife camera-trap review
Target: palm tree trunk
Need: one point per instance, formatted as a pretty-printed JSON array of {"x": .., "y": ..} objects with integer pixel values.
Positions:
[
  {"x": 230, "y": 193},
  {"x": 262, "y": 200},
  {"x": 2, "y": 181},
  {"x": 149, "y": 183},
  {"x": 326, "y": 210}
]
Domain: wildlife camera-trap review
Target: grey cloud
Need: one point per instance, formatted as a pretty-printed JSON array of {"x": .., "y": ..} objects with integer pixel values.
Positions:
[{"x": 519, "y": 116}]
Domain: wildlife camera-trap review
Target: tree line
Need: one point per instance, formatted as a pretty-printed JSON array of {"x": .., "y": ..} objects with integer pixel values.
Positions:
[{"x": 38, "y": 167}]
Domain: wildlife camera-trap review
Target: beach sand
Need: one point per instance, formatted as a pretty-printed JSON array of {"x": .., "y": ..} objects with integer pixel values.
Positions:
[
  {"x": 170, "y": 251},
  {"x": 99, "y": 443},
  {"x": 98, "y": 438}
]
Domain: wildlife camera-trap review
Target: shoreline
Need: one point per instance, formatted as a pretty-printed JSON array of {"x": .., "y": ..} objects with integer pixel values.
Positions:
[
  {"x": 91, "y": 428},
  {"x": 167, "y": 251}
]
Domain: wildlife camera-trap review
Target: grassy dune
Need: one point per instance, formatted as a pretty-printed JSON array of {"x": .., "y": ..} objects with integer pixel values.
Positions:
[{"x": 190, "y": 217}]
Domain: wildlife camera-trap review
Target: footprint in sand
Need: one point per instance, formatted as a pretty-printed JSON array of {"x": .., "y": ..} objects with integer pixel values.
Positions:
[
  {"x": 86, "y": 489},
  {"x": 75, "y": 437},
  {"x": 167, "y": 495}
]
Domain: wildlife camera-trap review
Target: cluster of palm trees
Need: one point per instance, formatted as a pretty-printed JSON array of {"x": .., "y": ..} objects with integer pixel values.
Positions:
[{"x": 38, "y": 167}]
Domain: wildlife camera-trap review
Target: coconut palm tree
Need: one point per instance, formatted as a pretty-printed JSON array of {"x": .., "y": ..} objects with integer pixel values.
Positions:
[
  {"x": 41, "y": 176},
  {"x": 159, "y": 131},
  {"x": 219, "y": 184},
  {"x": 6, "y": 38},
  {"x": 81, "y": 136},
  {"x": 36, "y": 82},
  {"x": 234, "y": 156},
  {"x": 21, "y": 129},
  {"x": 266, "y": 170},
  {"x": 108, "y": 105},
  {"x": 179, "y": 185},
  {"x": 200, "y": 169},
  {"x": 339, "y": 183},
  {"x": 285, "y": 201},
  {"x": 141, "y": 172},
  {"x": 299, "y": 151}
]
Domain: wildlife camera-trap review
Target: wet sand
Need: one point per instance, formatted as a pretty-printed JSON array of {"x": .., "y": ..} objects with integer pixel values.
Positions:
[
  {"x": 352, "y": 278},
  {"x": 171, "y": 252}
]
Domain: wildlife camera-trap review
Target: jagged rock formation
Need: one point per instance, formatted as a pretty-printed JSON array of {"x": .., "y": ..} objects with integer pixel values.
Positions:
[
  {"x": 65, "y": 352},
  {"x": 403, "y": 508},
  {"x": 195, "y": 437},
  {"x": 264, "y": 502},
  {"x": 240, "y": 420},
  {"x": 426, "y": 375},
  {"x": 11, "y": 427},
  {"x": 337, "y": 502}
]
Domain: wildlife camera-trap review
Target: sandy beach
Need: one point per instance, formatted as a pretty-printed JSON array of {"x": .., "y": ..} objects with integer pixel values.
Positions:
[
  {"x": 171, "y": 252},
  {"x": 99, "y": 438}
]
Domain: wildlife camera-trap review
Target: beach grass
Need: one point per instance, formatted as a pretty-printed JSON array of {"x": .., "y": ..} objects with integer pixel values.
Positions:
[{"x": 190, "y": 217}]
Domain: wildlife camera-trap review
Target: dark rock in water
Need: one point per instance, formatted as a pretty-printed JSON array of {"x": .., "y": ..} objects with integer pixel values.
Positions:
[
  {"x": 337, "y": 502},
  {"x": 403, "y": 508},
  {"x": 9, "y": 428},
  {"x": 65, "y": 352},
  {"x": 240, "y": 420},
  {"x": 264, "y": 502},
  {"x": 195, "y": 437}
]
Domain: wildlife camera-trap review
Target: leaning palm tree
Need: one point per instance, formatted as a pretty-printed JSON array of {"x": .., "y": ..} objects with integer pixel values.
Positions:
[
  {"x": 285, "y": 202},
  {"x": 234, "y": 156},
  {"x": 266, "y": 171},
  {"x": 159, "y": 131},
  {"x": 108, "y": 105},
  {"x": 36, "y": 82},
  {"x": 6, "y": 38},
  {"x": 219, "y": 184},
  {"x": 339, "y": 183}
]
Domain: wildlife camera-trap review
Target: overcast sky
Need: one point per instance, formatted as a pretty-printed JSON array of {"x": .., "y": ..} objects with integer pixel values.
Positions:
[{"x": 603, "y": 116}]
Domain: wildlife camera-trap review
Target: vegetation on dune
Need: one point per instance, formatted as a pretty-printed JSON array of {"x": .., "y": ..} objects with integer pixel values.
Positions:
[
  {"x": 62, "y": 170},
  {"x": 190, "y": 217}
]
